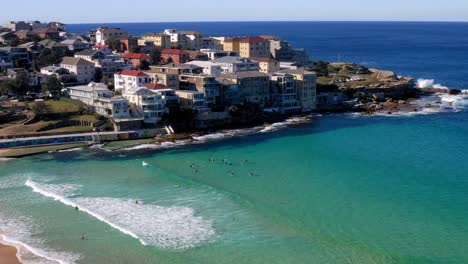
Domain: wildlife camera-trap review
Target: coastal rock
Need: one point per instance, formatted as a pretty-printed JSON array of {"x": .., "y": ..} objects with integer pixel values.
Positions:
[
  {"x": 401, "y": 102},
  {"x": 453, "y": 91},
  {"x": 378, "y": 96}
]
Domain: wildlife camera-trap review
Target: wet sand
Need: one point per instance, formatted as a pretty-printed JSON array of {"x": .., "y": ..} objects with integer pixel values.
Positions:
[{"x": 8, "y": 255}]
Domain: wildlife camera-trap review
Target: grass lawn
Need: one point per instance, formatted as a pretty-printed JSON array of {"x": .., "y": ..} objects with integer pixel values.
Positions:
[
  {"x": 76, "y": 129},
  {"x": 20, "y": 152},
  {"x": 115, "y": 145},
  {"x": 64, "y": 105}
]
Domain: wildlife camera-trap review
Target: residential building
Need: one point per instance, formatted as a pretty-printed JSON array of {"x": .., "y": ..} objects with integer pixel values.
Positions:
[
  {"x": 209, "y": 67},
  {"x": 284, "y": 93},
  {"x": 59, "y": 49},
  {"x": 101, "y": 100},
  {"x": 175, "y": 56},
  {"x": 76, "y": 44},
  {"x": 214, "y": 54},
  {"x": 83, "y": 69},
  {"x": 177, "y": 68},
  {"x": 19, "y": 56},
  {"x": 7, "y": 38},
  {"x": 17, "y": 25},
  {"x": 211, "y": 43},
  {"x": 170, "y": 99},
  {"x": 135, "y": 58},
  {"x": 104, "y": 33},
  {"x": 110, "y": 64},
  {"x": 50, "y": 70},
  {"x": 35, "y": 79},
  {"x": 47, "y": 33},
  {"x": 160, "y": 40},
  {"x": 254, "y": 47},
  {"x": 184, "y": 39},
  {"x": 147, "y": 103},
  {"x": 192, "y": 100},
  {"x": 267, "y": 65},
  {"x": 206, "y": 84},
  {"x": 231, "y": 64},
  {"x": 128, "y": 79},
  {"x": 190, "y": 40},
  {"x": 252, "y": 86},
  {"x": 57, "y": 26},
  {"x": 33, "y": 48},
  {"x": 37, "y": 25},
  {"x": 231, "y": 44},
  {"x": 281, "y": 50},
  {"x": 166, "y": 79},
  {"x": 5, "y": 61},
  {"x": 25, "y": 34},
  {"x": 129, "y": 44},
  {"x": 90, "y": 55},
  {"x": 306, "y": 85}
]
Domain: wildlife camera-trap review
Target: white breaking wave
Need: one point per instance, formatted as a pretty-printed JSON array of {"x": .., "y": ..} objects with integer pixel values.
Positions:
[
  {"x": 429, "y": 83},
  {"x": 18, "y": 232},
  {"x": 70, "y": 150},
  {"x": 164, "y": 227}
]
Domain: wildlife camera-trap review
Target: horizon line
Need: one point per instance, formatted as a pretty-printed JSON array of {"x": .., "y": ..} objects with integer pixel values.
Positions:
[{"x": 259, "y": 21}]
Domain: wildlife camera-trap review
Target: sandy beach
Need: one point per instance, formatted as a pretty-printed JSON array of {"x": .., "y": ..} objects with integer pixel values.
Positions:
[{"x": 8, "y": 255}]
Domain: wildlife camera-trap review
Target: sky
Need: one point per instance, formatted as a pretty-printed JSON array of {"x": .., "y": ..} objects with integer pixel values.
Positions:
[{"x": 92, "y": 11}]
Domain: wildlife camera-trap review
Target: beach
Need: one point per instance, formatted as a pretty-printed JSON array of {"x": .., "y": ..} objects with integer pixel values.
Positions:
[{"x": 8, "y": 255}]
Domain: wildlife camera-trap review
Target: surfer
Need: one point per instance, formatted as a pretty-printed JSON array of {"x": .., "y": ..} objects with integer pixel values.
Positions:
[
  {"x": 76, "y": 208},
  {"x": 83, "y": 237},
  {"x": 136, "y": 202}
]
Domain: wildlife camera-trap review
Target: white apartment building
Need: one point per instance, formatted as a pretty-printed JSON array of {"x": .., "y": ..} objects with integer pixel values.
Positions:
[
  {"x": 233, "y": 64},
  {"x": 101, "y": 100},
  {"x": 128, "y": 79},
  {"x": 148, "y": 104},
  {"x": 209, "y": 67}
]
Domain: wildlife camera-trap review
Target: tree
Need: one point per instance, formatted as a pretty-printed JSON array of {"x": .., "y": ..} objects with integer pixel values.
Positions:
[
  {"x": 5, "y": 87},
  {"x": 40, "y": 108},
  {"x": 98, "y": 75},
  {"x": 20, "y": 85},
  {"x": 52, "y": 85},
  {"x": 155, "y": 55},
  {"x": 144, "y": 65},
  {"x": 114, "y": 44},
  {"x": 45, "y": 58}
]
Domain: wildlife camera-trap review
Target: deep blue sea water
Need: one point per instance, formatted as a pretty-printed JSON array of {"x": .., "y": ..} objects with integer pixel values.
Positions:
[
  {"x": 428, "y": 50},
  {"x": 340, "y": 189}
]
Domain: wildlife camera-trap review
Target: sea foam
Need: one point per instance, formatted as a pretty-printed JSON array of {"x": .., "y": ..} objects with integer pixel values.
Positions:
[
  {"x": 18, "y": 232},
  {"x": 165, "y": 227}
]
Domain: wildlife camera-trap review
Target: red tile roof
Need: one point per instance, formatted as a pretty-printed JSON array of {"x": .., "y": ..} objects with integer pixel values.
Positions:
[
  {"x": 174, "y": 52},
  {"x": 133, "y": 73},
  {"x": 99, "y": 46},
  {"x": 155, "y": 86},
  {"x": 136, "y": 56}
]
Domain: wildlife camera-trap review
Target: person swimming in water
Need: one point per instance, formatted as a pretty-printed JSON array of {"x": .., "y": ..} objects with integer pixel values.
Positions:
[
  {"x": 76, "y": 208},
  {"x": 83, "y": 236}
]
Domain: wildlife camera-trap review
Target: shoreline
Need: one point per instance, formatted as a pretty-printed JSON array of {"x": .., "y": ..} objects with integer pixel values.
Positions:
[
  {"x": 8, "y": 254},
  {"x": 429, "y": 104}
]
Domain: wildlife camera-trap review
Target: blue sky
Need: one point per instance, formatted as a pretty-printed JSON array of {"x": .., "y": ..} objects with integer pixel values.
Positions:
[{"x": 91, "y": 11}]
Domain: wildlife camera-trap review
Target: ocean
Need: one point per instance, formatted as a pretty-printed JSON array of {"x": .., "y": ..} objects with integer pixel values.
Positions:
[{"x": 340, "y": 188}]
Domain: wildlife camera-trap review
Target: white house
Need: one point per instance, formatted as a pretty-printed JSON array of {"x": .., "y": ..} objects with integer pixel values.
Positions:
[
  {"x": 128, "y": 79},
  {"x": 233, "y": 64},
  {"x": 148, "y": 104},
  {"x": 83, "y": 69},
  {"x": 101, "y": 100},
  {"x": 209, "y": 67}
]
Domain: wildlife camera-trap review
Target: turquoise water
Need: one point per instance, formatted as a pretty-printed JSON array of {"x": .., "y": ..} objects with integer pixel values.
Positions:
[{"x": 341, "y": 189}]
